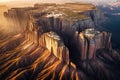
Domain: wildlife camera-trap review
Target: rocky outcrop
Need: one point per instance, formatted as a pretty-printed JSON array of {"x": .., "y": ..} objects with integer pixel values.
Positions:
[
  {"x": 90, "y": 40},
  {"x": 55, "y": 45}
]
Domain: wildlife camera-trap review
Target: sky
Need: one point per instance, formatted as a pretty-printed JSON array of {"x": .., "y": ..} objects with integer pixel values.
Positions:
[
  {"x": 31, "y": 2},
  {"x": 54, "y": 0},
  {"x": 20, "y": 0}
]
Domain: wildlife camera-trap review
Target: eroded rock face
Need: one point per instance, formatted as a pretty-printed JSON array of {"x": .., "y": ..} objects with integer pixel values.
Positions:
[
  {"x": 58, "y": 42},
  {"x": 90, "y": 40},
  {"x": 55, "y": 45}
]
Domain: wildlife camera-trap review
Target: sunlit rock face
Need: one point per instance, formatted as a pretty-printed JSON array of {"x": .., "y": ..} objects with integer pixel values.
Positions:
[
  {"x": 58, "y": 42},
  {"x": 55, "y": 45}
]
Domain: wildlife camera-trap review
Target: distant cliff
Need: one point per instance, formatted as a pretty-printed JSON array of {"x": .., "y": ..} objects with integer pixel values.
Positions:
[{"x": 58, "y": 42}]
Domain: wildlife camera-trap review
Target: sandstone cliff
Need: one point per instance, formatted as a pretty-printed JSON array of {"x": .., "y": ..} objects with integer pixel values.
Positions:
[
  {"x": 91, "y": 40},
  {"x": 68, "y": 16}
]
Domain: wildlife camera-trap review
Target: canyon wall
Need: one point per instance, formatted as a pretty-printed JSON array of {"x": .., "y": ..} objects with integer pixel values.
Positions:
[
  {"x": 90, "y": 40},
  {"x": 66, "y": 19},
  {"x": 42, "y": 18},
  {"x": 54, "y": 26}
]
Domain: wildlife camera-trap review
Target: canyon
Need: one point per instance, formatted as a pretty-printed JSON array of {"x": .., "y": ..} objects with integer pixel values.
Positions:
[{"x": 58, "y": 42}]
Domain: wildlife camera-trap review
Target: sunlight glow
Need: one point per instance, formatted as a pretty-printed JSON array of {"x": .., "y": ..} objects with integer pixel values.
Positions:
[{"x": 5, "y": 0}]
